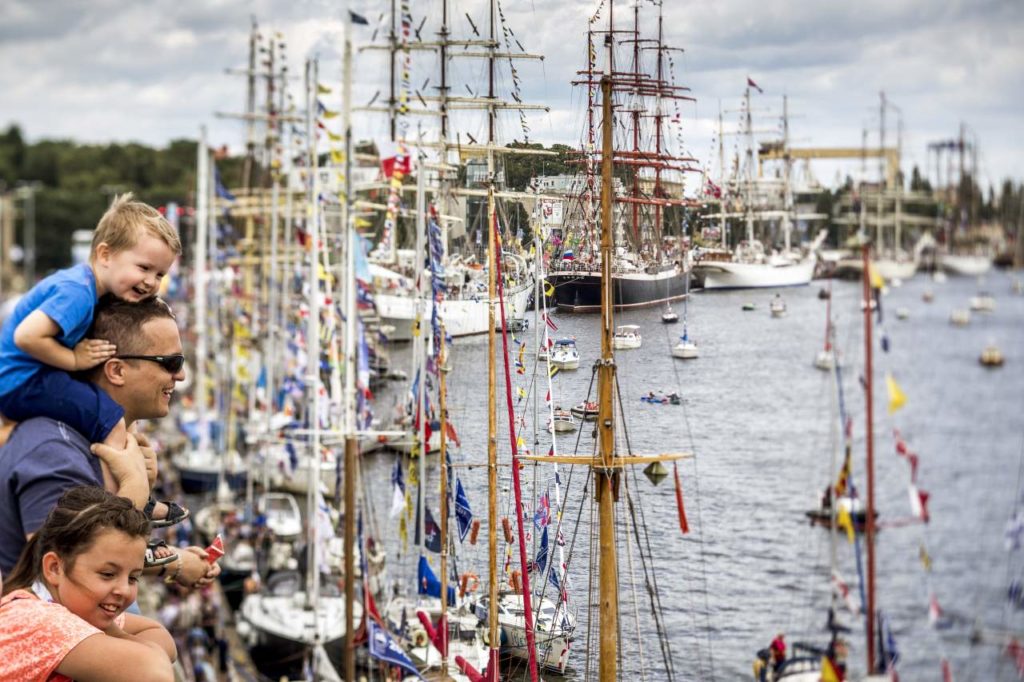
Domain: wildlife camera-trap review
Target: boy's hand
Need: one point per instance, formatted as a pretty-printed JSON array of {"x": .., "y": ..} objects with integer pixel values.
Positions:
[{"x": 92, "y": 352}]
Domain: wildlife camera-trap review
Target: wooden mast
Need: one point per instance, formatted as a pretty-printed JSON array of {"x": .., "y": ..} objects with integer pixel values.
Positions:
[
  {"x": 494, "y": 639},
  {"x": 869, "y": 522},
  {"x": 351, "y": 362},
  {"x": 607, "y": 464},
  {"x": 606, "y": 477}
]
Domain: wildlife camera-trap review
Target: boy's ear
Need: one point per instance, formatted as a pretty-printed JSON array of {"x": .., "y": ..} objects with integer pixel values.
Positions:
[{"x": 102, "y": 252}]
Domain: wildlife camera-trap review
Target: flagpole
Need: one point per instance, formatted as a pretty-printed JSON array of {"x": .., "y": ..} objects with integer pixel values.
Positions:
[
  {"x": 443, "y": 407},
  {"x": 869, "y": 521}
]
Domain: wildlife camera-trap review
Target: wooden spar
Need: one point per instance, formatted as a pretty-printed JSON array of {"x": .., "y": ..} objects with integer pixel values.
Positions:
[
  {"x": 493, "y": 673},
  {"x": 869, "y": 523},
  {"x": 607, "y": 480},
  {"x": 351, "y": 442},
  {"x": 492, "y": 440},
  {"x": 442, "y": 400}
]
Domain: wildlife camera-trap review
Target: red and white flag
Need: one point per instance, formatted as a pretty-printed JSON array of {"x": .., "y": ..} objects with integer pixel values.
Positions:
[
  {"x": 391, "y": 159},
  {"x": 751, "y": 83}
]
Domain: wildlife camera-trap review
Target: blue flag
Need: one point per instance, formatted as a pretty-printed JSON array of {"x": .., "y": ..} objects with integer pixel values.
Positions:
[
  {"x": 542, "y": 561},
  {"x": 463, "y": 514},
  {"x": 429, "y": 585},
  {"x": 431, "y": 532},
  {"x": 384, "y": 648},
  {"x": 221, "y": 190}
]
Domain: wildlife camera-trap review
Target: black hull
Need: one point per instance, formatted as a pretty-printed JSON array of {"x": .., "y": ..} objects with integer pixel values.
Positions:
[{"x": 580, "y": 291}]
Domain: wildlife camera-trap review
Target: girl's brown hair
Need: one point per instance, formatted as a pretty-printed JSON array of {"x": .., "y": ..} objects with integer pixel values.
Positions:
[{"x": 70, "y": 529}]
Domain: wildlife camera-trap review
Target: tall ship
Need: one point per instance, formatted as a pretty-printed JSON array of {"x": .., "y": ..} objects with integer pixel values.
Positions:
[
  {"x": 650, "y": 264},
  {"x": 760, "y": 203}
]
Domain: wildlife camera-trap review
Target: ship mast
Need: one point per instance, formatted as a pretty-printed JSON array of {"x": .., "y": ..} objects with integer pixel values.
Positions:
[{"x": 869, "y": 522}]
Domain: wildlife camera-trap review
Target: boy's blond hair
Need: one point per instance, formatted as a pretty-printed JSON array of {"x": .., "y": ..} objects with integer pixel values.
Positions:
[{"x": 121, "y": 225}]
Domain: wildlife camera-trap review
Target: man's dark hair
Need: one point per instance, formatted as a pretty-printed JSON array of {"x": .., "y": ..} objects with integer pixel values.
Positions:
[{"x": 120, "y": 322}]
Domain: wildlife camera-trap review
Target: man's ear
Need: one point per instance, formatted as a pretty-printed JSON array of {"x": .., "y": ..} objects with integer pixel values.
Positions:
[
  {"x": 52, "y": 567},
  {"x": 113, "y": 371}
]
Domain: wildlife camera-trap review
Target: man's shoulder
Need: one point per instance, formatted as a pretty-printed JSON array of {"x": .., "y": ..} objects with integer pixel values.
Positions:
[{"x": 33, "y": 433}]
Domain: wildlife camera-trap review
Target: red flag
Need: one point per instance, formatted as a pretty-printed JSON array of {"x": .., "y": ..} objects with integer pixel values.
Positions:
[
  {"x": 391, "y": 160},
  {"x": 683, "y": 525},
  {"x": 450, "y": 432},
  {"x": 215, "y": 550},
  {"x": 551, "y": 324},
  {"x": 947, "y": 672},
  {"x": 751, "y": 83}
]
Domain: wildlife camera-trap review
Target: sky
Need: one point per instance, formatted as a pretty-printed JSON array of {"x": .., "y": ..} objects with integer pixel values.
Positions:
[{"x": 105, "y": 71}]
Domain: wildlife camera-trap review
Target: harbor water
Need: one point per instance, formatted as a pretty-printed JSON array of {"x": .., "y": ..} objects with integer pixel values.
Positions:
[{"x": 758, "y": 416}]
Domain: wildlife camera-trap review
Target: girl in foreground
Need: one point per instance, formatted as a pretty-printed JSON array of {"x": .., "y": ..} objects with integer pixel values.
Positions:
[{"x": 62, "y": 612}]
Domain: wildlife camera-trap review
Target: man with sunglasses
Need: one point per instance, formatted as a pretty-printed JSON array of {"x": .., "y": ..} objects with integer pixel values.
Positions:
[{"x": 44, "y": 457}]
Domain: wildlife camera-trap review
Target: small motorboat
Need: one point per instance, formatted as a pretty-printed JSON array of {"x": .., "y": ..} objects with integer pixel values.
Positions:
[
  {"x": 928, "y": 296},
  {"x": 748, "y": 307},
  {"x": 991, "y": 356},
  {"x": 822, "y": 516},
  {"x": 562, "y": 421},
  {"x": 627, "y": 337},
  {"x": 777, "y": 306},
  {"x": 564, "y": 354},
  {"x": 586, "y": 411},
  {"x": 669, "y": 316},
  {"x": 825, "y": 360},
  {"x": 960, "y": 317},
  {"x": 902, "y": 313},
  {"x": 983, "y": 303}
]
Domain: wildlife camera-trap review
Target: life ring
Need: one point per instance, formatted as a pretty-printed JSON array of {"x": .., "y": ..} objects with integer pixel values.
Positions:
[
  {"x": 469, "y": 583},
  {"x": 419, "y": 637}
]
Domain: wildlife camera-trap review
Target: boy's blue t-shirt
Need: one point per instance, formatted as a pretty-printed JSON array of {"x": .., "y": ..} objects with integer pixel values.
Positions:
[{"x": 68, "y": 297}]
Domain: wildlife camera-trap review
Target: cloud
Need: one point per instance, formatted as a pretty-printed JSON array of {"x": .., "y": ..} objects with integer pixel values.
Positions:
[{"x": 154, "y": 71}]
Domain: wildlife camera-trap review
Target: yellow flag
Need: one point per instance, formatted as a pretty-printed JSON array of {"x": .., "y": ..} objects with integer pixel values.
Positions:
[
  {"x": 553, "y": 371},
  {"x": 323, "y": 89},
  {"x": 897, "y": 398},
  {"x": 520, "y": 443},
  {"x": 549, "y": 289},
  {"x": 363, "y": 222},
  {"x": 844, "y": 521},
  {"x": 926, "y": 559},
  {"x": 876, "y": 279},
  {"x": 337, "y": 157},
  {"x": 828, "y": 672},
  {"x": 331, "y": 136},
  {"x": 327, "y": 113}
]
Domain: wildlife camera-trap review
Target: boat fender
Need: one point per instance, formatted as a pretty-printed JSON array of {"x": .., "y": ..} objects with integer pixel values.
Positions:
[
  {"x": 419, "y": 637},
  {"x": 517, "y": 585},
  {"x": 468, "y": 583},
  {"x": 507, "y": 527},
  {"x": 474, "y": 531}
]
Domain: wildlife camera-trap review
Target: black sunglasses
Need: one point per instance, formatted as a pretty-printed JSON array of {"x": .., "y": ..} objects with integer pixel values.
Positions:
[{"x": 171, "y": 363}]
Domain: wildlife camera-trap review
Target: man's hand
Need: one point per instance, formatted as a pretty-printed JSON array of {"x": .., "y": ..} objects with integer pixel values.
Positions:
[
  {"x": 150, "y": 458},
  {"x": 128, "y": 467},
  {"x": 195, "y": 571},
  {"x": 92, "y": 352}
]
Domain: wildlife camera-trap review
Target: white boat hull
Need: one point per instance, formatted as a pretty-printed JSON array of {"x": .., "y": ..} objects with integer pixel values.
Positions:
[
  {"x": 728, "y": 275},
  {"x": 968, "y": 266},
  {"x": 462, "y": 317},
  {"x": 685, "y": 351}
]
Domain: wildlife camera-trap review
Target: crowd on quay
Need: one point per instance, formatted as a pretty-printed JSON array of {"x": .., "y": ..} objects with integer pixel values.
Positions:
[{"x": 85, "y": 355}]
